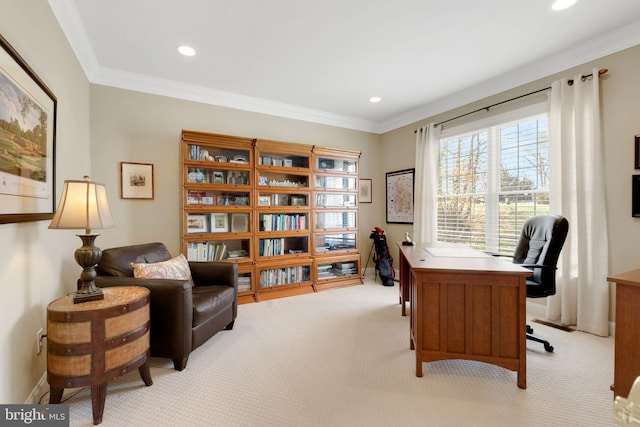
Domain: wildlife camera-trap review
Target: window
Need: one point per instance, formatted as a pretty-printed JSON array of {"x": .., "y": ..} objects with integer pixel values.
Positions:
[{"x": 492, "y": 177}]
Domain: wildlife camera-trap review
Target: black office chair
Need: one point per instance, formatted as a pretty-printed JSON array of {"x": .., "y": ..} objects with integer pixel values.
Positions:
[{"x": 538, "y": 249}]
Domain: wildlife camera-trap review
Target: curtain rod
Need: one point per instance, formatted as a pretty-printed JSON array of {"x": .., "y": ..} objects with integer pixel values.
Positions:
[{"x": 570, "y": 83}]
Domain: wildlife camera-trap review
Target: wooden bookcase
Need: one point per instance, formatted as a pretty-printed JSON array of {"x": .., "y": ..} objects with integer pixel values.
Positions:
[
  {"x": 286, "y": 213},
  {"x": 282, "y": 191},
  {"x": 217, "y": 211},
  {"x": 335, "y": 218}
]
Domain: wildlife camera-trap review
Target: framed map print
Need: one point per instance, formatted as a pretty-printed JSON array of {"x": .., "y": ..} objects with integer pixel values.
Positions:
[{"x": 400, "y": 196}]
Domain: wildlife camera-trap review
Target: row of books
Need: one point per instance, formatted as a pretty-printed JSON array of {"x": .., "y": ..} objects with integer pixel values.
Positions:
[
  {"x": 284, "y": 276},
  {"x": 278, "y": 222},
  {"x": 206, "y": 251},
  {"x": 270, "y": 247},
  {"x": 326, "y": 271},
  {"x": 209, "y": 251}
]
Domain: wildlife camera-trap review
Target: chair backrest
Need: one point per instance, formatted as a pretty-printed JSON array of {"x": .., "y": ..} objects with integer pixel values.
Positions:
[
  {"x": 540, "y": 243},
  {"x": 117, "y": 261}
]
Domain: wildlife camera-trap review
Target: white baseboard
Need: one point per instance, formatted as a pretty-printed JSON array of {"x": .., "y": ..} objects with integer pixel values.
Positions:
[{"x": 39, "y": 390}]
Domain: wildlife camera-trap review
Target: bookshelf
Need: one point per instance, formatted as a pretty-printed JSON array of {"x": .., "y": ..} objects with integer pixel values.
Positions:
[
  {"x": 282, "y": 213},
  {"x": 335, "y": 218},
  {"x": 217, "y": 213},
  {"x": 286, "y": 213}
]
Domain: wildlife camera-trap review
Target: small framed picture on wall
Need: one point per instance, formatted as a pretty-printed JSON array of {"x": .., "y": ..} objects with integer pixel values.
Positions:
[
  {"x": 136, "y": 180},
  {"x": 364, "y": 190}
]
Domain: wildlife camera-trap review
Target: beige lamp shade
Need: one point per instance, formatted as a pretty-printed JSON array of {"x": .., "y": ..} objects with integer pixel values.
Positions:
[{"x": 83, "y": 205}]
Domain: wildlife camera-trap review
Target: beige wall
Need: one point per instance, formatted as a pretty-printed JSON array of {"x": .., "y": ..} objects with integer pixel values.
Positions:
[
  {"x": 36, "y": 264},
  {"x": 100, "y": 127},
  {"x": 620, "y": 91},
  {"x": 136, "y": 127}
]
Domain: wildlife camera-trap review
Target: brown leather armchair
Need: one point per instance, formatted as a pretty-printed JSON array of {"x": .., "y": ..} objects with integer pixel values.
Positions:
[{"x": 184, "y": 315}]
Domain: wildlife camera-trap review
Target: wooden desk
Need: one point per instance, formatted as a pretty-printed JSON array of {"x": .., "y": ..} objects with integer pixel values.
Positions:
[
  {"x": 626, "y": 366},
  {"x": 470, "y": 308},
  {"x": 93, "y": 342}
]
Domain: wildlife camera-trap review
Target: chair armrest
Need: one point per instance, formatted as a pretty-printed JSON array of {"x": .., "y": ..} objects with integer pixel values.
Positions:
[
  {"x": 548, "y": 267},
  {"x": 171, "y": 310},
  {"x": 160, "y": 286},
  {"x": 205, "y": 273},
  {"x": 171, "y": 299}
]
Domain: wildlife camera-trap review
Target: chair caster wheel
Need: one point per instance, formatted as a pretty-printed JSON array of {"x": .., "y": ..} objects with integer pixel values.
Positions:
[{"x": 548, "y": 348}]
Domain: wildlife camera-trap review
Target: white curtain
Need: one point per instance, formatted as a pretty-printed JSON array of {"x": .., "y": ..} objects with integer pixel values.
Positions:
[
  {"x": 425, "y": 211},
  {"x": 577, "y": 192}
]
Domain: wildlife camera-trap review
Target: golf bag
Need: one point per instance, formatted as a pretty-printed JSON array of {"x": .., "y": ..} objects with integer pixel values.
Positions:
[{"x": 382, "y": 257}]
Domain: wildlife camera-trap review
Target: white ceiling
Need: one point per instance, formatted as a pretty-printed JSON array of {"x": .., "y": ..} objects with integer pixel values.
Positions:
[{"x": 321, "y": 61}]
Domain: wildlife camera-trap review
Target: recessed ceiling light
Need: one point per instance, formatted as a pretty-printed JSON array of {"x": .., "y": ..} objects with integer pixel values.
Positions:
[
  {"x": 186, "y": 50},
  {"x": 375, "y": 99},
  {"x": 563, "y": 4}
]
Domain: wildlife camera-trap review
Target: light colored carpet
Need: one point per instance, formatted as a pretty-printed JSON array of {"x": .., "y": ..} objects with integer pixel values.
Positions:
[{"x": 341, "y": 358}]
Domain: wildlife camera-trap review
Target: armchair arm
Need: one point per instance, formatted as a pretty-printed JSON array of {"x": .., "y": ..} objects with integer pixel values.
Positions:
[
  {"x": 171, "y": 311},
  {"x": 214, "y": 273}
]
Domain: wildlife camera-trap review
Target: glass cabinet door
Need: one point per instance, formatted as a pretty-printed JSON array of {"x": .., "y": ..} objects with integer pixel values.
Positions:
[
  {"x": 217, "y": 198},
  {"x": 329, "y": 164},
  {"x": 207, "y": 175},
  {"x": 216, "y": 250},
  {"x": 284, "y": 276},
  {"x": 339, "y": 269},
  {"x": 335, "y": 220},
  {"x": 336, "y": 182},
  {"x": 208, "y": 153},
  {"x": 274, "y": 179},
  {"x": 283, "y": 160},
  {"x": 218, "y": 222},
  {"x": 334, "y": 242},
  {"x": 335, "y": 200}
]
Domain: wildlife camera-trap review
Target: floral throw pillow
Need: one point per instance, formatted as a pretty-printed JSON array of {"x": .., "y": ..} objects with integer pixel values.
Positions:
[{"x": 175, "y": 268}]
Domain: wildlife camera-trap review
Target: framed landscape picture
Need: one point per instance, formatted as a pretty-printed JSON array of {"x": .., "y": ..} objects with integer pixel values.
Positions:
[{"x": 27, "y": 141}]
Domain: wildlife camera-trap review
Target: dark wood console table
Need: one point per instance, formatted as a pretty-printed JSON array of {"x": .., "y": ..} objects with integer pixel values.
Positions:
[{"x": 93, "y": 342}]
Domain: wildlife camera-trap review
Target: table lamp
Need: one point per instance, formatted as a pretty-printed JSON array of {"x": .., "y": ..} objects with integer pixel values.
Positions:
[{"x": 83, "y": 205}]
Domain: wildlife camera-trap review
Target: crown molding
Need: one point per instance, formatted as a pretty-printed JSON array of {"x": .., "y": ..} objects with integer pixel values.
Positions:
[
  {"x": 140, "y": 83},
  {"x": 603, "y": 45},
  {"x": 71, "y": 24},
  {"x": 69, "y": 20}
]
